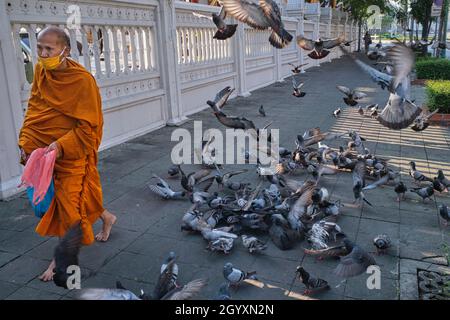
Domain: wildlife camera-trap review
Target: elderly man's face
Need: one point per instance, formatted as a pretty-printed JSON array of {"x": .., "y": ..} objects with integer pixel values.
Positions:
[{"x": 48, "y": 46}]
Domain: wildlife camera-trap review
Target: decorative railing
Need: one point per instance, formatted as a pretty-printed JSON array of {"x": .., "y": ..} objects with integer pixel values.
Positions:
[{"x": 155, "y": 62}]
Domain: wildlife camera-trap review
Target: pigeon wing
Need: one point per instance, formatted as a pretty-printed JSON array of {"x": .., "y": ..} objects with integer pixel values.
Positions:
[
  {"x": 105, "y": 294},
  {"x": 187, "y": 292},
  {"x": 222, "y": 97},
  {"x": 403, "y": 60},
  {"x": 344, "y": 90},
  {"x": 247, "y": 12},
  {"x": 305, "y": 44},
  {"x": 329, "y": 44}
]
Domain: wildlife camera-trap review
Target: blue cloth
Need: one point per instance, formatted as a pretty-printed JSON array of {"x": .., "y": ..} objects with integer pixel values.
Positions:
[{"x": 42, "y": 207}]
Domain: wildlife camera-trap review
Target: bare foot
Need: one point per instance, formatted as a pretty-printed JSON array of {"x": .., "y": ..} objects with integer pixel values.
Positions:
[
  {"x": 48, "y": 274},
  {"x": 108, "y": 220}
]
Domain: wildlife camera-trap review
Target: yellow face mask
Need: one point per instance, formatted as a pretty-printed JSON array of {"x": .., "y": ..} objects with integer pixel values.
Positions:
[{"x": 53, "y": 62}]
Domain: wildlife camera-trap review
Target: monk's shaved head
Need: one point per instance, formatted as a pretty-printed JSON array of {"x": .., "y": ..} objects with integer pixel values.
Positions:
[{"x": 62, "y": 37}]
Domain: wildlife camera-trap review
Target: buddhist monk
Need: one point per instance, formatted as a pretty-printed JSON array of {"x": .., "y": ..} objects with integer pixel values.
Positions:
[{"x": 65, "y": 114}]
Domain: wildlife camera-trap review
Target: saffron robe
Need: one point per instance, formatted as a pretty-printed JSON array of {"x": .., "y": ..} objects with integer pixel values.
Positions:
[{"x": 65, "y": 106}]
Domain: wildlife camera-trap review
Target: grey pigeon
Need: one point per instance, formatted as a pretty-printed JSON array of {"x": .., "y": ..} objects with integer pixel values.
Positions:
[
  {"x": 298, "y": 88},
  {"x": 400, "y": 189},
  {"x": 351, "y": 96},
  {"x": 313, "y": 285},
  {"x": 417, "y": 175},
  {"x": 163, "y": 190},
  {"x": 337, "y": 112},
  {"x": 263, "y": 16},
  {"x": 261, "y": 111},
  {"x": 355, "y": 263},
  {"x": 319, "y": 47},
  {"x": 382, "y": 242},
  {"x": 224, "y": 292},
  {"x": 424, "y": 193},
  {"x": 253, "y": 244},
  {"x": 399, "y": 111},
  {"x": 105, "y": 294},
  {"x": 221, "y": 244},
  {"x": 224, "y": 30},
  {"x": 444, "y": 213},
  {"x": 236, "y": 276},
  {"x": 441, "y": 177}
]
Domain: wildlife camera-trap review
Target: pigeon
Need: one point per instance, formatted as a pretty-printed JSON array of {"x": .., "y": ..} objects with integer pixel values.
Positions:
[
  {"x": 185, "y": 292},
  {"x": 360, "y": 110},
  {"x": 66, "y": 254},
  {"x": 400, "y": 189},
  {"x": 355, "y": 263},
  {"x": 253, "y": 244},
  {"x": 337, "y": 112},
  {"x": 422, "y": 121},
  {"x": 173, "y": 171},
  {"x": 352, "y": 96},
  {"x": 417, "y": 175},
  {"x": 297, "y": 88},
  {"x": 444, "y": 213},
  {"x": 382, "y": 242},
  {"x": 297, "y": 69},
  {"x": 313, "y": 285},
  {"x": 263, "y": 16},
  {"x": 438, "y": 185},
  {"x": 441, "y": 45},
  {"x": 224, "y": 30},
  {"x": 167, "y": 279},
  {"x": 105, "y": 294},
  {"x": 359, "y": 182},
  {"x": 236, "y": 276},
  {"x": 221, "y": 244},
  {"x": 215, "y": 234},
  {"x": 424, "y": 193},
  {"x": 441, "y": 177},
  {"x": 318, "y": 47},
  {"x": 224, "y": 292},
  {"x": 400, "y": 111},
  {"x": 281, "y": 234},
  {"x": 261, "y": 111},
  {"x": 223, "y": 179},
  {"x": 163, "y": 190}
]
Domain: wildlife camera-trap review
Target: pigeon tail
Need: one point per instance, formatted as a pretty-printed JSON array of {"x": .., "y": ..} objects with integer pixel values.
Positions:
[{"x": 393, "y": 118}]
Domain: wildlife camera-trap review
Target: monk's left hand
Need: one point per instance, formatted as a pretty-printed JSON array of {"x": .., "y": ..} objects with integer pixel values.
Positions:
[{"x": 55, "y": 146}]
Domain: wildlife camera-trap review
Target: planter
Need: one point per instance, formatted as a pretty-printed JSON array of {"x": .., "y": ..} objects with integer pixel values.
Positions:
[
  {"x": 440, "y": 119},
  {"x": 419, "y": 82}
]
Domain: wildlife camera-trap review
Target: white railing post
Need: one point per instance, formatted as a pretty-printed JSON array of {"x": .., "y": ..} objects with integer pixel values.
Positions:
[
  {"x": 239, "y": 50},
  {"x": 11, "y": 114},
  {"x": 301, "y": 31},
  {"x": 169, "y": 63},
  {"x": 317, "y": 30},
  {"x": 329, "y": 25}
]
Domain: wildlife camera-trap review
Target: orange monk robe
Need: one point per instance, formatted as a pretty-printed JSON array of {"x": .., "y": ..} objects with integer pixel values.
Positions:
[{"x": 65, "y": 106}]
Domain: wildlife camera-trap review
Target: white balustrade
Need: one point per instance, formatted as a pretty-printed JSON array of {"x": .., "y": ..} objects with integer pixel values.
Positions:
[{"x": 154, "y": 61}]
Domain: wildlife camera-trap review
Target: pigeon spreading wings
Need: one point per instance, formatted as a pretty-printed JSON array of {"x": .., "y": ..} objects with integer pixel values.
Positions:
[{"x": 261, "y": 16}]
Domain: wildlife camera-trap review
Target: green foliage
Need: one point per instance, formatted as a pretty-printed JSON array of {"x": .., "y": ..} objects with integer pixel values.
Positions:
[
  {"x": 438, "y": 95},
  {"x": 433, "y": 68},
  {"x": 359, "y": 8}
]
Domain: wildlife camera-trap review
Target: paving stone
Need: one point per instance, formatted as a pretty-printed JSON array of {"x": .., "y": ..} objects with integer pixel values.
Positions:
[
  {"x": 7, "y": 288},
  {"x": 22, "y": 270},
  {"x": 26, "y": 293}
]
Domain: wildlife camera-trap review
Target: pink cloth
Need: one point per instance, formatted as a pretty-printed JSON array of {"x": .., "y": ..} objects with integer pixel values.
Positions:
[{"x": 38, "y": 172}]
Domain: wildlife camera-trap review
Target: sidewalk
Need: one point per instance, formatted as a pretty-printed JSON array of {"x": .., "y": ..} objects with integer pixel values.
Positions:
[{"x": 148, "y": 227}]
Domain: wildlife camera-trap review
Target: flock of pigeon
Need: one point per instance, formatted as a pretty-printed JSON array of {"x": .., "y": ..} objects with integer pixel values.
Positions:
[{"x": 286, "y": 209}]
